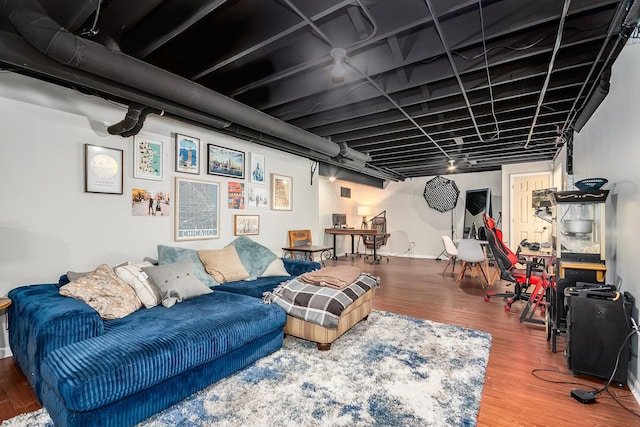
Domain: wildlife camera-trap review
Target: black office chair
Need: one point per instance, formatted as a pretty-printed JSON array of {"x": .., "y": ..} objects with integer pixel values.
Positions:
[{"x": 378, "y": 222}]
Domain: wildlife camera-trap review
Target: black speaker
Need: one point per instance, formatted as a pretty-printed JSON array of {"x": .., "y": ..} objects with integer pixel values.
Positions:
[{"x": 597, "y": 325}]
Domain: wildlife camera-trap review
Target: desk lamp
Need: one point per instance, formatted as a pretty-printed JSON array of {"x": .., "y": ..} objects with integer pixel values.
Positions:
[{"x": 363, "y": 211}]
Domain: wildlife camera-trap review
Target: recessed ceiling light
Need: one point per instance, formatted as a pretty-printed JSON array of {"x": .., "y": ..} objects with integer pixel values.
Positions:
[{"x": 338, "y": 71}]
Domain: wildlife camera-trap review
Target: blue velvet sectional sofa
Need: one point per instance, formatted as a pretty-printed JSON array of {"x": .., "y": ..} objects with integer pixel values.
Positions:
[{"x": 88, "y": 371}]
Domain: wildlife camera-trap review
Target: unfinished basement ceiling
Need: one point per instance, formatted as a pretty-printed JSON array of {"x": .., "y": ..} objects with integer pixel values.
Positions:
[{"x": 428, "y": 82}]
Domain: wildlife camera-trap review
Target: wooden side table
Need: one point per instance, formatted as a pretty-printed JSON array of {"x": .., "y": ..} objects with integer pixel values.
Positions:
[{"x": 4, "y": 303}]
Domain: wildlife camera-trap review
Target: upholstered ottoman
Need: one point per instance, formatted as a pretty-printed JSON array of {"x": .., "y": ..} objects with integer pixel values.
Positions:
[{"x": 323, "y": 336}]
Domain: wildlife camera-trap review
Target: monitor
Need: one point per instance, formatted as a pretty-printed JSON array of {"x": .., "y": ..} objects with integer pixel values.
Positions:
[{"x": 339, "y": 220}]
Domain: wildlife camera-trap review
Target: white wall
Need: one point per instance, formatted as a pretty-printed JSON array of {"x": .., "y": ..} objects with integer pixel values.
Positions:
[
  {"x": 49, "y": 225},
  {"x": 409, "y": 218},
  {"x": 609, "y": 147}
]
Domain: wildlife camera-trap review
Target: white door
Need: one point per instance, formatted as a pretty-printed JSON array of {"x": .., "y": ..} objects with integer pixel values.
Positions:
[{"x": 524, "y": 224}]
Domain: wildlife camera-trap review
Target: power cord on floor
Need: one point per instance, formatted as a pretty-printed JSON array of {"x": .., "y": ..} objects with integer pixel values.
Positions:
[
  {"x": 409, "y": 249},
  {"x": 584, "y": 396}
]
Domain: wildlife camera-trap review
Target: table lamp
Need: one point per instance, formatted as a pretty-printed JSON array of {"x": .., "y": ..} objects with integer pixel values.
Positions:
[{"x": 363, "y": 211}]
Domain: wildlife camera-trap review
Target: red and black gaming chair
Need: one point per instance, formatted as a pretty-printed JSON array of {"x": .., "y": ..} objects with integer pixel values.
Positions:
[{"x": 507, "y": 262}]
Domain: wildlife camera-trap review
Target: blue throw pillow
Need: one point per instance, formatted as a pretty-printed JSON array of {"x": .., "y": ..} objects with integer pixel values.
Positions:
[
  {"x": 254, "y": 257},
  {"x": 171, "y": 254}
]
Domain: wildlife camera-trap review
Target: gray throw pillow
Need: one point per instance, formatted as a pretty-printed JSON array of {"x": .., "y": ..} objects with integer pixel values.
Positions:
[{"x": 176, "y": 282}]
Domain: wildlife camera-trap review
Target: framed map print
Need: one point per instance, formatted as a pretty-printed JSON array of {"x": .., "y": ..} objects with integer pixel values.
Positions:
[
  {"x": 147, "y": 158},
  {"x": 197, "y": 210}
]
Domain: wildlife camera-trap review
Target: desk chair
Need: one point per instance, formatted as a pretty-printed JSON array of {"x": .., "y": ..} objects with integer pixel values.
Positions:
[
  {"x": 472, "y": 256},
  {"x": 378, "y": 222},
  {"x": 509, "y": 265},
  {"x": 451, "y": 251}
]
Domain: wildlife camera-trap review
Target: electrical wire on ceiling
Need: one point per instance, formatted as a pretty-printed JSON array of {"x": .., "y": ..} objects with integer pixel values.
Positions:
[
  {"x": 543, "y": 91},
  {"x": 366, "y": 77},
  {"x": 486, "y": 62},
  {"x": 463, "y": 91}
]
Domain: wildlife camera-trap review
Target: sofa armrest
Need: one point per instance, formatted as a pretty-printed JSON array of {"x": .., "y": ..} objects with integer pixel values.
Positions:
[
  {"x": 296, "y": 267},
  {"x": 41, "y": 321}
]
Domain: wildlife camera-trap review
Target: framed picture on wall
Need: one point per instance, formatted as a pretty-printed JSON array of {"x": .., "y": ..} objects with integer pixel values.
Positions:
[
  {"x": 187, "y": 154},
  {"x": 257, "y": 168},
  {"x": 246, "y": 225},
  {"x": 197, "y": 210},
  {"x": 225, "y": 162},
  {"x": 103, "y": 170},
  {"x": 281, "y": 192},
  {"x": 147, "y": 158}
]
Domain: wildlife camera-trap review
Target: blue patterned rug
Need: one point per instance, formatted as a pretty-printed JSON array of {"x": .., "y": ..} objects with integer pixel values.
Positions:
[{"x": 390, "y": 370}]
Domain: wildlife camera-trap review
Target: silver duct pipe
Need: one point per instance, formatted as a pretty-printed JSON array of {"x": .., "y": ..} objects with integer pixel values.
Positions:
[{"x": 36, "y": 27}]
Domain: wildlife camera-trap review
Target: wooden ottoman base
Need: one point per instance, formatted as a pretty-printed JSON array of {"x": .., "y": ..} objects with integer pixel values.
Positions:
[{"x": 357, "y": 311}]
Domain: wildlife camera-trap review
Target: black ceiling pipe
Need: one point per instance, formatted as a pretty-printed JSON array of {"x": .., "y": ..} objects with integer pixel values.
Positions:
[
  {"x": 34, "y": 24},
  {"x": 594, "y": 102},
  {"x": 133, "y": 120}
]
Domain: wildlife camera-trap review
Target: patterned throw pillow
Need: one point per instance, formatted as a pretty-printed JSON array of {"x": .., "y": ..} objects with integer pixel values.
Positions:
[
  {"x": 105, "y": 292},
  {"x": 223, "y": 264}
]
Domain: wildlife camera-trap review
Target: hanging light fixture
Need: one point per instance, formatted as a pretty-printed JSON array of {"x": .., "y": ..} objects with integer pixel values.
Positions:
[
  {"x": 452, "y": 166},
  {"x": 338, "y": 71}
]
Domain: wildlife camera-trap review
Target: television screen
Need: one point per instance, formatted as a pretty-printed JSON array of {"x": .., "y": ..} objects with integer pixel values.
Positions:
[{"x": 339, "y": 220}]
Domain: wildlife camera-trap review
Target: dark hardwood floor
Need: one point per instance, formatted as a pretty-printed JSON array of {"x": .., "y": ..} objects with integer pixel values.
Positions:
[{"x": 512, "y": 394}]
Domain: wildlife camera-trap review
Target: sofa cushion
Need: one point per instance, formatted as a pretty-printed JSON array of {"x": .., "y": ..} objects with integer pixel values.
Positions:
[
  {"x": 151, "y": 346},
  {"x": 254, "y": 257},
  {"x": 176, "y": 282},
  {"x": 223, "y": 264},
  {"x": 253, "y": 288},
  {"x": 171, "y": 254},
  {"x": 105, "y": 292},
  {"x": 139, "y": 281}
]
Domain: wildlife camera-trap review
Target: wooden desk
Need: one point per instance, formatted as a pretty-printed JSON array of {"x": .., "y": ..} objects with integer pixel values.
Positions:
[
  {"x": 354, "y": 232},
  {"x": 309, "y": 250}
]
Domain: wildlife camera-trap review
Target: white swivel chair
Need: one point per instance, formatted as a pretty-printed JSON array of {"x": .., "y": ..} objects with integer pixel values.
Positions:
[
  {"x": 472, "y": 256},
  {"x": 451, "y": 252}
]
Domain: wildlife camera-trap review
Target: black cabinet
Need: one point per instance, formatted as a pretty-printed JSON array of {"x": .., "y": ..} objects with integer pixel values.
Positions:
[{"x": 598, "y": 323}]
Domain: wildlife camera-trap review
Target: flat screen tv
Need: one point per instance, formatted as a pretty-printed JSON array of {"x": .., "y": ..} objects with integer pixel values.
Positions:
[{"x": 339, "y": 220}]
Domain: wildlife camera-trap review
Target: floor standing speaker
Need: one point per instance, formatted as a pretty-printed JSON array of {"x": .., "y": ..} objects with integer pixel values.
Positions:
[{"x": 597, "y": 326}]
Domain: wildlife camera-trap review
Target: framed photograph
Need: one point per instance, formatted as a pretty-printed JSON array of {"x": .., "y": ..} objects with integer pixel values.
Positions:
[
  {"x": 225, "y": 162},
  {"x": 147, "y": 158},
  {"x": 246, "y": 225},
  {"x": 146, "y": 202},
  {"x": 187, "y": 154},
  {"x": 197, "y": 210},
  {"x": 103, "y": 170},
  {"x": 257, "y": 168},
  {"x": 281, "y": 192}
]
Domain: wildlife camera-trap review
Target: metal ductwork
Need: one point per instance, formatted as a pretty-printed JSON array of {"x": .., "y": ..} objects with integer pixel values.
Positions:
[
  {"x": 594, "y": 102},
  {"x": 133, "y": 120},
  {"x": 34, "y": 24}
]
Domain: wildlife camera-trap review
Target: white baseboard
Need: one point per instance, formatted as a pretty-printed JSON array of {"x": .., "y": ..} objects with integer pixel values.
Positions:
[
  {"x": 5, "y": 352},
  {"x": 634, "y": 386}
]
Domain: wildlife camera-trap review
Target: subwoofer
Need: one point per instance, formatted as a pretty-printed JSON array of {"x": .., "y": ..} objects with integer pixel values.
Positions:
[{"x": 598, "y": 322}]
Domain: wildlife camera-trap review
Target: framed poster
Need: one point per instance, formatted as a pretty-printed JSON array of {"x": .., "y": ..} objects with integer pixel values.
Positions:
[
  {"x": 281, "y": 192},
  {"x": 197, "y": 209},
  {"x": 236, "y": 195},
  {"x": 147, "y": 159},
  {"x": 187, "y": 154},
  {"x": 246, "y": 225},
  {"x": 102, "y": 170},
  {"x": 257, "y": 168},
  {"x": 225, "y": 162}
]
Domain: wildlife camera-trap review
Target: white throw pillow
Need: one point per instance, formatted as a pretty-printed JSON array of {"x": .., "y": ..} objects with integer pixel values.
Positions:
[
  {"x": 139, "y": 281},
  {"x": 276, "y": 268}
]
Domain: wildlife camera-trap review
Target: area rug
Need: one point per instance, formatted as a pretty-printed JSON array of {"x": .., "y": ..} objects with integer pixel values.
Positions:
[{"x": 389, "y": 370}]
